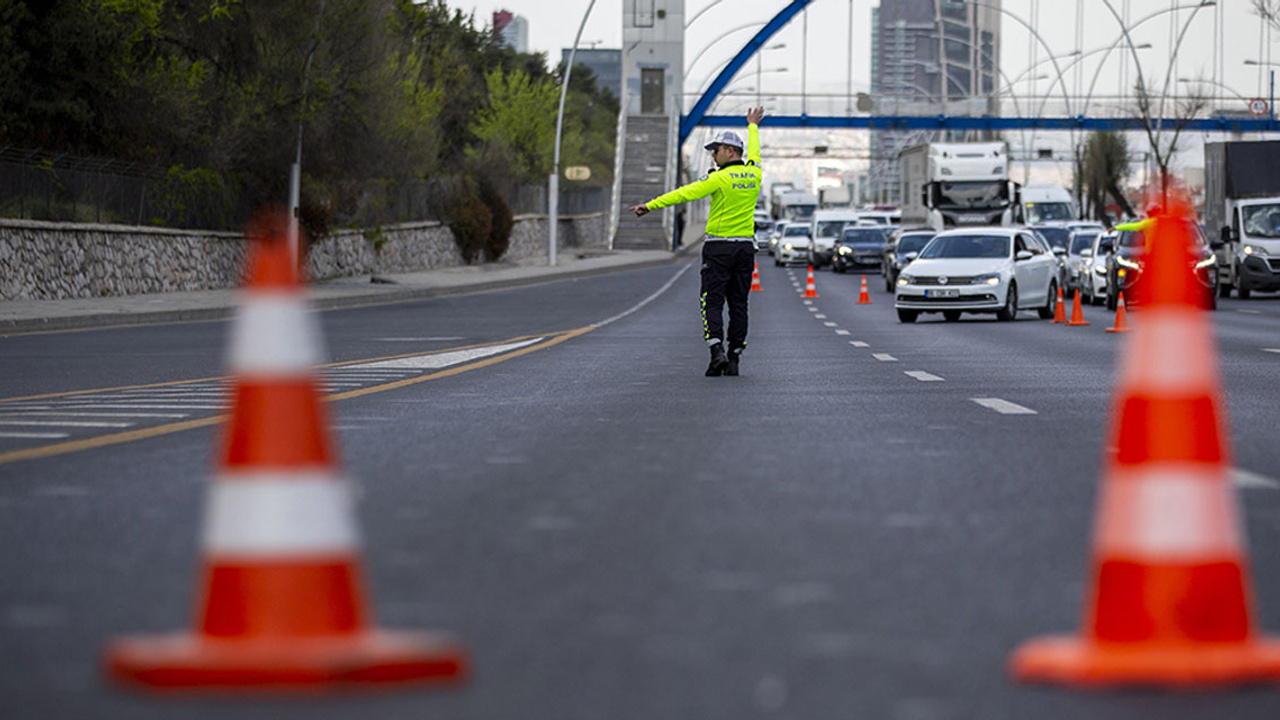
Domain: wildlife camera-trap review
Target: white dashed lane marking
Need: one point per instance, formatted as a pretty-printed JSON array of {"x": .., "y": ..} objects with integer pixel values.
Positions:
[
  {"x": 923, "y": 376},
  {"x": 1271, "y": 350},
  {"x": 1245, "y": 479},
  {"x": 820, "y": 316},
  {"x": 33, "y": 436},
  {"x": 829, "y": 324},
  {"x": 858, "y": 343},
  {"x": 842, "y": 332},
  {"x": 1250, "y": 312},
  {"x": 66, "y": 423},
  {"x": 884, "y": 357},
  {"x": 813, "y": 310},
  {"x": 1004, "y": 407}
]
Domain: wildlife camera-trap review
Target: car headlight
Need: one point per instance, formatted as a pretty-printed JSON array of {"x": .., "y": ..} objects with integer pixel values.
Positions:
[
  {"x": 1207, "y": 262},
  {"x": 905, "y": 279},
  {"x": 1255, "y": 250},
  {"x": 988, "y": 279},
  {"x": 1122, "y": 262},
  {"x": 845, "y": 249},
  {"x": 1100, "y": 269},
  {"x": 788, "y": 246}
]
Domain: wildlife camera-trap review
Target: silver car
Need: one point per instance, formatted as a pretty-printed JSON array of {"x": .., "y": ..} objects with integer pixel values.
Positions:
[{"x": 793, "y": 246}]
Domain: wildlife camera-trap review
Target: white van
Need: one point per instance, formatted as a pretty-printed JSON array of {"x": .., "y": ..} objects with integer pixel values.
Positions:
[
  {"x": 1047, "y": 204},
  {"x": 825, "y": 228}
]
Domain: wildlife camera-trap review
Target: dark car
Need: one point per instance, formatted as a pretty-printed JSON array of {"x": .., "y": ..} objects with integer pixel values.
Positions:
[
  {"x": 1058, "y": 238},
  {"x": 859, "y": 249},
  {"x": 1126, "y": 264},
  {"x": 903, "y": 247}
]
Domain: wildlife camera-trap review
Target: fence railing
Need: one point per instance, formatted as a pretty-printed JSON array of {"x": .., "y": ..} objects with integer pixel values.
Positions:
[{"x": 37, "y": 185}]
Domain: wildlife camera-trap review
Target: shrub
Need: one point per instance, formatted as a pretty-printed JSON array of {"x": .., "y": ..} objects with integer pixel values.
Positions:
[
  {"x": 470, "y": 220},
  {"x": 499, "y": 238}
]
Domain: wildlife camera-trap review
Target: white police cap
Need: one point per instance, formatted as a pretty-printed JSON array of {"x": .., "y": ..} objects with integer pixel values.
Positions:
[{"x": 728, "y": 137}]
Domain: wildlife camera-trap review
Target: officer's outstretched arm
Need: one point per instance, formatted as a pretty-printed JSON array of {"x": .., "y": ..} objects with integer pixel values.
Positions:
[{"x": 754, "y": 116}]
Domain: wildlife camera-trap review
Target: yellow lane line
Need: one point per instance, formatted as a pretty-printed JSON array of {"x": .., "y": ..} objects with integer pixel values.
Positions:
[
  {"x": 71, "y": 446},
  {"x": 219, "y": 378}
]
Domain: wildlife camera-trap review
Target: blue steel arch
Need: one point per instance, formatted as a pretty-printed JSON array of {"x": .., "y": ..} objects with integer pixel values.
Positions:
[{"x": 700, "y": 108}]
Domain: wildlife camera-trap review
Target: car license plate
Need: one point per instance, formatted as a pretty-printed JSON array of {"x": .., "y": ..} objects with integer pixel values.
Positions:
[{"x": 947, "y": 293}]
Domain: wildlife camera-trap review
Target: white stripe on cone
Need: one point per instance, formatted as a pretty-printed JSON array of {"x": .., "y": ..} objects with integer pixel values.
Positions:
[
  {"x": 1162, "y": 513},
  {"x": 274, "y": 514},
  {"x": 274, "y": 334},
  {"x": 1172, "y": 353}
]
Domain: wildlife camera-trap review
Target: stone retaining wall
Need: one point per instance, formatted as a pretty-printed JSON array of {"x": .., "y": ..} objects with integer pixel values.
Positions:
[{"x": 53, "y": 261}]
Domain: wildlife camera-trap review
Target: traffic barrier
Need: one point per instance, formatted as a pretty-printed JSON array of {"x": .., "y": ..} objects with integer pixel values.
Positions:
[
  {"x": 864, "y": 298},
  {"x": 1169, "y": 601},
  {"x": 1122, "y": 322},
  {"x": 810, "y": 289},
  {"x": 755, "y": 278},
  {"x": 1060, "y": 311},
  {"x": 1077, "y": 315},
  {"x": 282, "y": 605}
]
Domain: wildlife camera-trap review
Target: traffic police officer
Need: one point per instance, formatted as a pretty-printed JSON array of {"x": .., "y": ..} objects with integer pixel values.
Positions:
[{"x": 728, "y": 253}]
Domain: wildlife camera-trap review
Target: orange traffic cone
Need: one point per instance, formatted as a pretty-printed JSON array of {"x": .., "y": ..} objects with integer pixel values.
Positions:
[
  {"x": 1122, "y": 324},
  {"x": 1059, "y": 311},
  {"x": 755, "y": 278},
  {"x": 864, "y": 298},
  {"x": 282, "y": 603},
  {"x": 1170, "y": 601},
  {"x": 810, "y": 290},
  {"x": 1077, "y": 315}
]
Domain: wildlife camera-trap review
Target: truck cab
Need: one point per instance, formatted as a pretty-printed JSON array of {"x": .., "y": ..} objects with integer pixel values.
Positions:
[
  {"x": 947, "y": 185},
  {"x": 1253, "y": 240},
  {"x": 1242, "y": 210}
]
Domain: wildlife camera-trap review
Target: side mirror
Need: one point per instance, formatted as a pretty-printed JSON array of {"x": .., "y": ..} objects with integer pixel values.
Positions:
[
  {"x": 1217, "y": 245},
  {"x": 1023, "y": 255},
  {"x": 1106, "y": 246},
  {"x": 1059, "y": 251},
  {"x": 911, "y": 255},
  {"x": 1227, "y": 235},
  {"x": 1086, "y": 253}
]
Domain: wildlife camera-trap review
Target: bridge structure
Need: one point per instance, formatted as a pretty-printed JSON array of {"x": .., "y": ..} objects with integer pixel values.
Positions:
[{"x": 700, "y": 115}]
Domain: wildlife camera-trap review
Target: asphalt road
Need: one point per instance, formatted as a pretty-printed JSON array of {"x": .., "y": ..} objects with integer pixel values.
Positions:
[{"x": 843, "y": 531}]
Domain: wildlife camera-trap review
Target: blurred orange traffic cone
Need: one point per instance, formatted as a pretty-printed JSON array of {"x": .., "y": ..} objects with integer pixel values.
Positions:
[
  {"x": 864, "y": 298},
  {"x": 1077, "y": 315},
  {"x": 755, "y": 278},
  {"x": 1122, "y": 324},
  {"x": 282, "y": 604},
  {"x": 1059, "y": 311},
  {"x": 810, "y": 290},
  {"x": 1170, "y": 601}
]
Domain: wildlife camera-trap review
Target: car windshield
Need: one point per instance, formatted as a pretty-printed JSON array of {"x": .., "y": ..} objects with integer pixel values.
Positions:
[
  {"x": 863, "y": 235},
  {"x": 1048, "y": 211},
  {"x": 797, "y": 231},
  {"x": 967, "y": 246},
  {"x": 913, "y": 242},
  {"x": 980, "y": 195},
  {"x": 830, "y": 228},
  {"x": 1056, "y": 237},
  {"x": 801, "y": 212},
  {"x": 1081, "y": 241},
  {"x": 1136, "y": 239},
  {"x": 1261, "y": 221}
]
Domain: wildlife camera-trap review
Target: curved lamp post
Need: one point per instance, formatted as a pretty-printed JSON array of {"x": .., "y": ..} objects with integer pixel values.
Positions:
[{"x": 553, "y": 191}]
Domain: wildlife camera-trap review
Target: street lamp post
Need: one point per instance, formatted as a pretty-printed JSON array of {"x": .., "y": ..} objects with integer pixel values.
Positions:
[
  {"x": 294, "y": 232},
  {"x": 553, "y": 189}
]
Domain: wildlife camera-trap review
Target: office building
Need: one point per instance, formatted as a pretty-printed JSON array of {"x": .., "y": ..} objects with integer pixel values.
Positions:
[{"x": 513, "y": 29}]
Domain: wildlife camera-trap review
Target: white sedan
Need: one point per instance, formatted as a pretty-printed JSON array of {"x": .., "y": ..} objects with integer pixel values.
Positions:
[
  {"x": 979, "y": 270},
  {"x": 793, "y": 246}
]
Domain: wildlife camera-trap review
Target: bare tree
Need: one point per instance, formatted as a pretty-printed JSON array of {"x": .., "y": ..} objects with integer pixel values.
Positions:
[
  {"x": 1163, "y": 141},
  {"x": 1269, "y": 11},
  {"x": 1103, "y": 167}
]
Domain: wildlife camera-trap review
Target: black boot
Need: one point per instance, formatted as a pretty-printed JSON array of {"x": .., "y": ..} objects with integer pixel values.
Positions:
[
  {"x": 718, "y": 361},
  {"x": 735, "y": 354}
]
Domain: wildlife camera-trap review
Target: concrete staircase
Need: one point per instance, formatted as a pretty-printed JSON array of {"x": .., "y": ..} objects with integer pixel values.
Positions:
[{"x": 644, "y": 177}]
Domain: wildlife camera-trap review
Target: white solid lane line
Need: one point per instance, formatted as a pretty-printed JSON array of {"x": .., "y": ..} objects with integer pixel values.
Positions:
[
  {"x": 922, "y": 376},
  {"x": 440, "y": 360},
  {"x": 1271, "y": 350},
  {"x": 884, "y": 357},
  {"x": 34, "y": 436},
  {"x": 1250, "y": 312},
  {"x": 66, "y": 423},
  {"x": 43, "y": 413},
  {"x": 858, "y": 343},
  {"x": 1245, "y": 479},
  {"x": 138, "y": 406},
  {"x": 1004, "y": 407}
]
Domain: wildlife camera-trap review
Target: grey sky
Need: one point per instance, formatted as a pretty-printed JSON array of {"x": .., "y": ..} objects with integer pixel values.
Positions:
[{"x": 552, "y": 24}]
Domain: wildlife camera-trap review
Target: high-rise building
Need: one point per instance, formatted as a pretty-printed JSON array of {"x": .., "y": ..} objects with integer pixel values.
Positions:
[
  {"x": 512, "y": 29},
  {"x": 605, "y": 63},
  {"x": 929, "y": 57}
]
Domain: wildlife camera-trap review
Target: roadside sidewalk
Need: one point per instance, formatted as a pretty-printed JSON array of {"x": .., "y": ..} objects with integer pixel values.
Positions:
[{"x": 23, "y": 316}]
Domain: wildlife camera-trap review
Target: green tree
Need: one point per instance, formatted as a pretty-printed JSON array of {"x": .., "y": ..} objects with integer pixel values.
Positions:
[
  {"x": 518, "y": 126},
  {"x": 1104, "y": 167}
]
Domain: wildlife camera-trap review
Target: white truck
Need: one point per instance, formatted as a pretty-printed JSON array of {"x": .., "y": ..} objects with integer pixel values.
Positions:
[
  {"x": 1043, "y": 203},
  {"x": 1242, "y": 208},
  {"x": 946, "y": 185},
  {"x": 795, "y": 205},
  {"x": 834, "y": 197}
]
